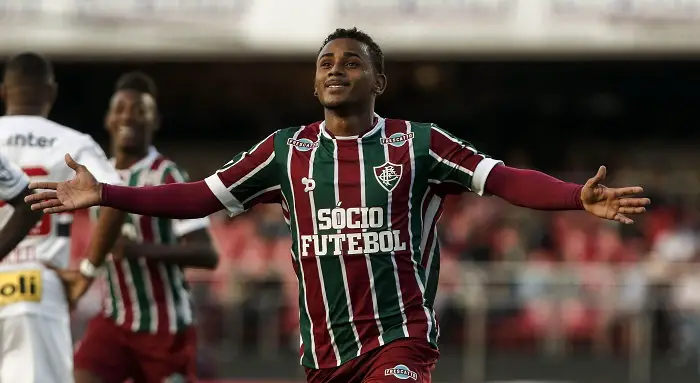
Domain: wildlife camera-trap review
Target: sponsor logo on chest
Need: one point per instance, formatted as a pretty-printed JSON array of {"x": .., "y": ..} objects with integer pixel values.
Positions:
[
  {"x": 397, "y": 139},
  {"x": 371, "y": 239},
  {"x": 302, "y": 144}
]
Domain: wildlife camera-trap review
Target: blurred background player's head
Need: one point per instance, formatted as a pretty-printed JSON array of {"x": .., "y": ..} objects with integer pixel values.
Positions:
[
  {"x": 349, "y": 71},
  {"x": 132, "y": 117},
  {"x": 28, "y": 86}
]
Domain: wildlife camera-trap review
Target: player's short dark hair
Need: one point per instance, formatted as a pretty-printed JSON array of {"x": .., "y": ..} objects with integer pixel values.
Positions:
[
  {"x": 138, "y": 82},
  {"x": 375, "y": 51},
  {"x": 29, "y": 66}
]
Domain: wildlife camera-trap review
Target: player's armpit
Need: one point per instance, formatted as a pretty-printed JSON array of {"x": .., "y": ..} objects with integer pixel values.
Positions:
[
  {"x": 195, "y": 250},
  {"x": 180, "y": 200},
  {"x": 533, "y": 189},
  {"x": 23, "y": 219}
]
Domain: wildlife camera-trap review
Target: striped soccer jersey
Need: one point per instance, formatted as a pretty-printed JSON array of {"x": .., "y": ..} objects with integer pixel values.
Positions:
[
  {"x": 147, "y": 296},
  {"x": 362, "y": 212}
]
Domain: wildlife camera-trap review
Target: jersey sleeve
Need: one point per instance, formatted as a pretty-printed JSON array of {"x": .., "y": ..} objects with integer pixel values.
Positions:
[
  {"x": 173, "y": 174},
  {"x": 250, "y": 178},
  {"x": 12, "y": 179},
  {"x": 93, "y": 157},
  {"x": 457, "y": 164}
]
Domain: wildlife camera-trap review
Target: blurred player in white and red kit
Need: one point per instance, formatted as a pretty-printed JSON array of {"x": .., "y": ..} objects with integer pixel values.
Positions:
[{"x": 35, "y": 338}]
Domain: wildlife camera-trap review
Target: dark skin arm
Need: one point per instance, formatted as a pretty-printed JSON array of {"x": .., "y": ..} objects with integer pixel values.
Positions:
[
  {"x": 22, "y": 220},
  {"x": 107, "y": 231},
  {"x": 194, "y": 251}
]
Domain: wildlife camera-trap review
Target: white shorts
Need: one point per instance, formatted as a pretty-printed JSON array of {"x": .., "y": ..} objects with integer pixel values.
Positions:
[{"x": 35, "y": 349}]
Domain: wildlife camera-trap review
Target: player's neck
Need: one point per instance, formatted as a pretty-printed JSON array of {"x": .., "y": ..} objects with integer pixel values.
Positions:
[
  {"x": 124, "y": 160},
  {"x": 349, "y": 125},
  {"x": 27, "y": 110}
]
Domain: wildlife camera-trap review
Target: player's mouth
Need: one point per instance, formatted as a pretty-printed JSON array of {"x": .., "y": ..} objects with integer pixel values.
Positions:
[
  {"x": 336, "y": 84},
  {"x": 127, "y": 131}
]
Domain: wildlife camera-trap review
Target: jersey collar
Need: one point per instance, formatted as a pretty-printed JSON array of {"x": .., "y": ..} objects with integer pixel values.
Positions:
[
  {"x": 142, "y": 163},
  {"x": 377, "y": 127}
]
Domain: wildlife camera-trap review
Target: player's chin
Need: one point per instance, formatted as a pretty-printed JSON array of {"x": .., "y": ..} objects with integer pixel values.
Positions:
[{"x": 334, "y": 103}]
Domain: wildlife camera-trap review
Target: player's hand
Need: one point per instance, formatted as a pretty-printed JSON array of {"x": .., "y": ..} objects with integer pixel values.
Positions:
[
  {"x": 612, "y": 203},
  {"x": 81, "y": 192},
  {"x": 75, "y": 284}
]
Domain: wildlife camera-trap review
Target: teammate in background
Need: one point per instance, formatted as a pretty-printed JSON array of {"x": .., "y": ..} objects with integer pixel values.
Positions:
[
  {"x": 35, "y": 338},
  {"x": 362, "y": 195},
  {"x": 13, "y": 189},
  {"x": 146, "y": 331}
]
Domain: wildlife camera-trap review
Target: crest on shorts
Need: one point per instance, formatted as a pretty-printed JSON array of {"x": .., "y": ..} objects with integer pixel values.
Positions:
[
  {"x": 401, "y": 372},
  {"x": 388, "y": 175}
]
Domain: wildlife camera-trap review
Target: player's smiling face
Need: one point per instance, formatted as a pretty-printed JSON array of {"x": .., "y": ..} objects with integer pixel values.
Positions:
[
  {"x": 344, "y": 74},
  {"x": 131, "y": 120}
]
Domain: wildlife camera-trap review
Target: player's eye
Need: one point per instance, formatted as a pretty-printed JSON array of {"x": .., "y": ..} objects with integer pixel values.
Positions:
[
  {"x": 325, "y": 64},
  {"x": 352, "y": 64}
]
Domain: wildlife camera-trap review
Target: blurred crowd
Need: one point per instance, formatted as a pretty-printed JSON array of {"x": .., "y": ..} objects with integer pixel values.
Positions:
[{"x": 535, "y": 276}]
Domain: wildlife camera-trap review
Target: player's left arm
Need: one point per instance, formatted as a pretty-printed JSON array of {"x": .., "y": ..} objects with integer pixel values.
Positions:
[
  {"x": 194, "y": 248},
  {"x": 457, "y": 164},
  {"x": 13, "y": 189}
]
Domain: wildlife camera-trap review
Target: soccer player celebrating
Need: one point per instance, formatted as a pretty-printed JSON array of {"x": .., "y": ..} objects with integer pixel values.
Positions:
[
  {"x": 362, "y": 195},
  {"x": 34, "y": 317},
  {"x": 13, "y": 189},
  {"x": 146, "y": 332}
]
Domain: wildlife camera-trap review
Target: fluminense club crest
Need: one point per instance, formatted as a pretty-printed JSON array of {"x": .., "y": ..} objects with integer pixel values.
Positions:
[{"x": 388, "y": 175}]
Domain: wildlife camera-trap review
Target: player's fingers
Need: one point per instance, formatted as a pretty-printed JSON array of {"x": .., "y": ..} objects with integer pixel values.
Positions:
[
  {"x": 623, "y": 219},
  {"x": 42, "y": 196},
  {"x": 43, "y": 185},
  {"x": 634, "y": 202},
  {"x": 630, "y": 190},
  {"x": 71, "y": 162},
  {"x": 45, "y": 204},
  {"x": 631, "y": 210},
  {"x": 598, "y": 177},
  {"x": 57, "y": 209}
]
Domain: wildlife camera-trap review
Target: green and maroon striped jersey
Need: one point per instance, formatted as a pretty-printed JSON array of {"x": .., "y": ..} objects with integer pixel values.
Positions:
[
  {"x": 147, "y": 296},
  {"x": 362, "y": 212}
]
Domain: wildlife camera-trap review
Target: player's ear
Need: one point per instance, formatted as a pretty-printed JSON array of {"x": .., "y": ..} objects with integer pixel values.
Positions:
[{"x": 379, "y": 84}]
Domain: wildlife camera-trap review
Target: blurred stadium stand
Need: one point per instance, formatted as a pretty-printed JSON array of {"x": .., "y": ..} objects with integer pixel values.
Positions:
[{"x": 558, "y": 85}]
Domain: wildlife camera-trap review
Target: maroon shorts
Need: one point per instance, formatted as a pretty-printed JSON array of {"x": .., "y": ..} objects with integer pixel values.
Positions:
[
  {"x": 116, "y": 354},
  {"x": 403, "y": 360}
]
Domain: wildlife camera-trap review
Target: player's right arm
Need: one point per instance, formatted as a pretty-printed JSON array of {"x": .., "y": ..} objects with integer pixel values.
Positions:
[
  {"x": 13, "y": 189},
  {"x": 249, "y": 178}
]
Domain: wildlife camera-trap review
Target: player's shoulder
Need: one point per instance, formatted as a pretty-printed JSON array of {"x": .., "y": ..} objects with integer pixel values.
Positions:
[
  {"x": 299, "y": 131},
  {"x": 297, "y": 135},
  {"x": 64, "y": 135},
  {"x": 169, "y": 170}
]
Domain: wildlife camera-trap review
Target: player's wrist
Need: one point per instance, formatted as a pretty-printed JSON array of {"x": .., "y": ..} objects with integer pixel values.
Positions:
[
  {"x": 88, "y": 269},
  {"x": 101, "y": 191}
]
